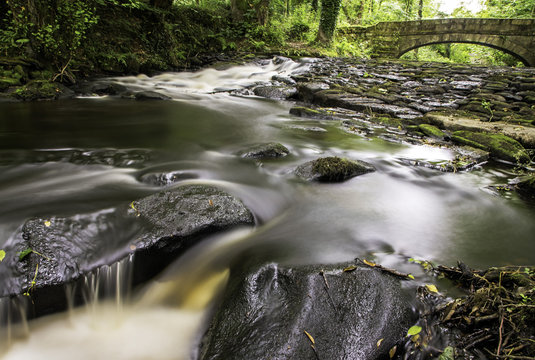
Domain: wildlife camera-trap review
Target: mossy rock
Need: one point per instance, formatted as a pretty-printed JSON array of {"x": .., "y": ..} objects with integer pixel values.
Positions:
[
  {"x": 264, "y": 151},
  {"x": 387, "y": 121},
  {"x": 307, "y": 112},
  {"x": 332, "y": 169},
  {"x": 6, "y": 82},
  {"x": 431, "y": 131},
  {"x": 498, "y": 145},
  {"x": 42, "y": 90}
]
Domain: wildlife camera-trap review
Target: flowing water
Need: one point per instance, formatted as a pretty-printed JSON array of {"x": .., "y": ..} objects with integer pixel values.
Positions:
[{"x": 88, "y": 154}]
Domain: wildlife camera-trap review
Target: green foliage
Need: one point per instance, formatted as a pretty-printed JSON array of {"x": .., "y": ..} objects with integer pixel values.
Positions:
[
  {"x": 508, "y": 9},
  {"x": 52, "y": 30},
  {"x": 2, "y": 255}
]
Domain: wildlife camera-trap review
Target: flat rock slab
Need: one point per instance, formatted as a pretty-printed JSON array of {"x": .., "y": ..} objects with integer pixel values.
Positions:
[
  {"x": 268, "y": 311},
  {"x": 157, "y": 228}
]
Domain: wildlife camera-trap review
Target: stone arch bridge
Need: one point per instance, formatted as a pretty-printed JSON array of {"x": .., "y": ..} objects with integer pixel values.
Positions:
[{"x": 393, "y": 39}]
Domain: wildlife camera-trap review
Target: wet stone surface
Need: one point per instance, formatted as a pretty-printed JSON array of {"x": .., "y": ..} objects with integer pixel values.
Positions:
[
  {"x": 402, "y": 95},
  {"x": 157, "y": 228},
  {"x": 279, "y": 309}
]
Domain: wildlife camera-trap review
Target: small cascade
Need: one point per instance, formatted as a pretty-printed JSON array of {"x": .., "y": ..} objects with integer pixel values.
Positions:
[
  {"x": 105, "y": 283},
  {"x": 13, "y": 320}
]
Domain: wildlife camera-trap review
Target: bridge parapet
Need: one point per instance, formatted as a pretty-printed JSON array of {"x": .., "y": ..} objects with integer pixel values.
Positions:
[{"x": 393, "y": 39}]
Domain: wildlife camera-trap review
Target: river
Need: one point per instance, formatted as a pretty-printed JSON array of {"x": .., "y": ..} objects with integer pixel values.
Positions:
[{"x": 90, "y": 153}]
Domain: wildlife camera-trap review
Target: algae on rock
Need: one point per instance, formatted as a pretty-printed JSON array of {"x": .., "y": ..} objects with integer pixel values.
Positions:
[{"x": 499, "y": 146}]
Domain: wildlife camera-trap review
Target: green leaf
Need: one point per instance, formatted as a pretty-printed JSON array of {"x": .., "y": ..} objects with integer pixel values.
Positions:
[
  {"x": 448, "y": 354},
  {"x": 414, "y": 330},
  {"x": 2, "y": 255},
  {"x": 24, "y": 253}
]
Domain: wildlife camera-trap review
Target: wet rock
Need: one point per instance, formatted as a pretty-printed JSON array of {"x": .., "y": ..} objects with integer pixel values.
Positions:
[
  {"x": 124, "y": 158},
  {"x": 177, "y": 215},
  {"x": 284, "y": 79},
  {"x": 466, "y": 158},
  {"x": 264, "y": 151},
  {"x": 306, "y": 90},
  {"x": 275, "y": 92},
  {"x": 42, "y": 90},
  {"x": 498, "y": 145},
  {"x": 151, "y": 95},
  {"x": 434, "y": 90},
  {"x": 273, "y": 310},
  {"x": 332, "y": 169},
  {"x": 386, "y": 121},
  {"x": 526, "y": 187},
  {"x": 311, "y": 113},
  {"x": 100, "y": 88},
  {"x": 157, "y": 228},
  {"x": 431, "y": 131},
  {"x": 165, "y": 179}
]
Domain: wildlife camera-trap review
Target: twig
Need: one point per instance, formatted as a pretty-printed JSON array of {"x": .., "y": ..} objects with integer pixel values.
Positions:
[
  {"x": 477, "y": 341},
  {"x": 500, "y": 337},
  {"x": 322, "y": 273}
]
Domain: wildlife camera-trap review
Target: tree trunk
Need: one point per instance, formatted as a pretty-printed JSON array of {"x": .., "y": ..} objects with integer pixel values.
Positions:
[
  {"x": 329, "y": 16},
  {"x": 262, "y": 12},
  {"x": 360, "y": 12},
  {"x": 420, "y": 15}
]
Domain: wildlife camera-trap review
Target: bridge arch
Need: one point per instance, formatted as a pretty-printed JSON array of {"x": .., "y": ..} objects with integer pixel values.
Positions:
[
  {"x": 494, "y": 42},
  {"x": 393, "y": 39}
]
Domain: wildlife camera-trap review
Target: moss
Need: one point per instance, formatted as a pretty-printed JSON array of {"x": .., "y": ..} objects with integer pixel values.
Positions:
[
  {"x": 263, "y": 151},
  {"x": 38, "y": 90},
  {"x": 498, "y": 145},
  {"x": 6, "y": 82},
  {"x": 386, "y": 121},
  {"x": 335, "y": 169},
  {"x": 431, "y": 131}
]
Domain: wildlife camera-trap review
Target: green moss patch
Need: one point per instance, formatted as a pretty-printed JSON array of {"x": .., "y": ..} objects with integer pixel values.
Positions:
[
  {"x": 40, "y": 90},
  {"x": 498, "y": 145},
  {"x": 431, "y": 131}
]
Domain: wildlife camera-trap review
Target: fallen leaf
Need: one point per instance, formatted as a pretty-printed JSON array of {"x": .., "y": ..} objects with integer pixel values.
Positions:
[
  {"x": 392, "y": 351},
  {"x": 2, "y": 255},
  {"x": 369, "y": 263},
  {"x": 310, "y": 338},
  {"x": 380, "y": 342},
  {"x": 350, "y": 268},
  {"x": 431, "y": 288},
  {"x": 414, "y": 330},
  {"x": 410, "y": 276},
  {"x": 210, "y": 202},
  {"x": 47, "y": 223}
]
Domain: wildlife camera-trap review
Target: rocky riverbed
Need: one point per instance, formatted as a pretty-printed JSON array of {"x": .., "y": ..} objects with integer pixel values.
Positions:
[{"x": 346, "y": 310}]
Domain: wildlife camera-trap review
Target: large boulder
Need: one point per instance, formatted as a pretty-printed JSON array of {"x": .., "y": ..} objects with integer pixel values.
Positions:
[
  {"x": 308, "y": 312},
  {"x": 157, "y": 229}
]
